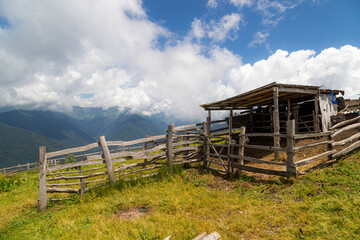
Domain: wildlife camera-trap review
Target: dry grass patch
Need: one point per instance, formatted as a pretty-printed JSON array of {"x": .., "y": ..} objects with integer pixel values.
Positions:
[{"x": 132, "y": 213}]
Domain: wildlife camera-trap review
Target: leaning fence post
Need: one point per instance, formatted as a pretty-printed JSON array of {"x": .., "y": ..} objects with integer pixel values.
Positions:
[
  {"x": 107, "y": 156},
  {"x": 290, "y": 163},
  {"x": 42, "y": 178},
  {"x": 169, "y": 146},
  {"x": 206, "y": 149}
]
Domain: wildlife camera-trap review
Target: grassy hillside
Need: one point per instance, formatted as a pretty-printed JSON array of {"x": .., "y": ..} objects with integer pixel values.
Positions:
[
  {"x": 19, "y": 146},
  {"x": 324, "y": 204}
]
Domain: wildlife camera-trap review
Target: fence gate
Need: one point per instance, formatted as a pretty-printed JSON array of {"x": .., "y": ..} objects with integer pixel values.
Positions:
[{"x": 217, "y": 147}]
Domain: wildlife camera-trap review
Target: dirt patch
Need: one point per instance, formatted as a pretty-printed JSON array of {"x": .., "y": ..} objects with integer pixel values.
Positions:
[
  {"x": 132, "y": 213},
  {"x": 221, "y": 183}
]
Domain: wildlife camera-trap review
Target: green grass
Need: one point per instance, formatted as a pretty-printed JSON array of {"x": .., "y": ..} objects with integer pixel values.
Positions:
[{"x": 324, "y": 204}]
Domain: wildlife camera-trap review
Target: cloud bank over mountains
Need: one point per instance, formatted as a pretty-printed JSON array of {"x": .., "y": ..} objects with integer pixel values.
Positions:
[{"x": 56, "y": 55}]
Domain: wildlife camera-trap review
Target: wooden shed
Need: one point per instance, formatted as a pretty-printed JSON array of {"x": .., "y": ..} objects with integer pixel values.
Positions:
[{"x": 267, "y": 108}]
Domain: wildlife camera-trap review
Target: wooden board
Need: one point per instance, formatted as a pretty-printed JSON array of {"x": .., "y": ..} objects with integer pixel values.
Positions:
[
  {"x": 343, "y": 142},
  {"x": 311, "y": 159},
  {"x": 72, "y": 150},
  {"x": 251, "y": 159},
  {"x": 347, "y": 150},
  {"x": 137, "y": 141},
  {"x": 344, "y": 129},
  {"x": 261, "y": 170}
]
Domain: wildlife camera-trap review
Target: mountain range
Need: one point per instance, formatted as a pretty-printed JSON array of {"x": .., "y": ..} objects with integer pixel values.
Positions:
[{"x": 23, "y": 131}]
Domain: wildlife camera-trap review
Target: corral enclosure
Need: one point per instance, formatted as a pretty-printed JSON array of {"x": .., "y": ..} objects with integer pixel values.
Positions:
[
  {"x": 214, "y": 149},
  {"x": 269, "y": 136}
]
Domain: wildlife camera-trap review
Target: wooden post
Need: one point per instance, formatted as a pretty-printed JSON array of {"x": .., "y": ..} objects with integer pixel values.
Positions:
[
  {"x": 316, "y": 122},
  {"x": 290, "y": 163},
  {"x": 296, "y": 118},
  {"x": 276, "y": 121},
  {"x": 288, "y": 109},
  {"x": 83, "y": 183},
  {"x": 271, "y": 118},
  {"x": 241, "y": 149},
  {"x": 208, "y": 120},
  {"x": 42, "y": 178},
  {"x": 230, "y": 170},
  {"x": 28, "y": 166},
  {"x": 169, "y": 146},
  {"x": 146, "y": 143},
  {"x": 206, "y": 147},
  {"x": 107, "y": 156},
  {"x": 251, "y": 119}
]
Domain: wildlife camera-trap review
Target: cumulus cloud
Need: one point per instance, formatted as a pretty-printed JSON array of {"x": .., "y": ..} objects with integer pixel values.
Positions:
[
  {"x": 332, "y": 68},
  {"x": 54, "y": 53}
]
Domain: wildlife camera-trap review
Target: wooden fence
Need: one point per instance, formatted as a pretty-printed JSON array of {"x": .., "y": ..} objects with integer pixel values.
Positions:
[
  {"x": 181, "y": 145},
  {"x": 226, "y": 153},
  {"x": 20, "y": 168},
  {"x": 220, "y": 148}
]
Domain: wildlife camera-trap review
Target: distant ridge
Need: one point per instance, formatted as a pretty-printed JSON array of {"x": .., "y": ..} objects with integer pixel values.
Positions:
[{"x": 22, "y": 131}]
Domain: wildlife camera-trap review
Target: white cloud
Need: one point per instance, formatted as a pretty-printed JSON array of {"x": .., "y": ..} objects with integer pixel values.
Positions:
[
  {"x": 242, "y": 3},
  {"x": 272, "y": 11},
  {"x": 217, "y": 31},
  {"x": 197, "y": 29},
  {"x": 259, "y": 38},
  {"x": 212, "y": 3},
  {"x": 332, "y": 68},
  {"x": 227, "y": 27},
  {"x": 55, "y": 52}
]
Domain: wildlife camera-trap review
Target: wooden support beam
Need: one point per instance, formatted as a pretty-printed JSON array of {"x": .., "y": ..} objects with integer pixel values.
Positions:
[
  {"x": 316, "y": 115},
  {"x": 206, "y": 147},
  {"x": 276, "y": 121},
  {"x": 229, "y": 142},
  {"x": 251, "y": 119},
  {"x": 271, "y": 118},
  {"x": 288, "y": 109},
  {"x": 290, "y": 162},
  {"x": 298, "y": 90}
]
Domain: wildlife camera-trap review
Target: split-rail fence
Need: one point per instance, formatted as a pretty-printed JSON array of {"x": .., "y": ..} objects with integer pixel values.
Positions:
[
  {"x": 219, "y": 147},
  {"x": 111, "y": 161}
]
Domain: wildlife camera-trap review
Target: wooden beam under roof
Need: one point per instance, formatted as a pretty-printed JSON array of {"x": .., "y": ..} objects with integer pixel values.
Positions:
[{"x": 298, "y": 90}]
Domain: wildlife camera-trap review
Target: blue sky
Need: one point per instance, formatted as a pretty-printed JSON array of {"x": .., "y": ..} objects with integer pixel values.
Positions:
[
  {"x": 313, "y": 25},
  {"x": 171, "y": 56}
]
